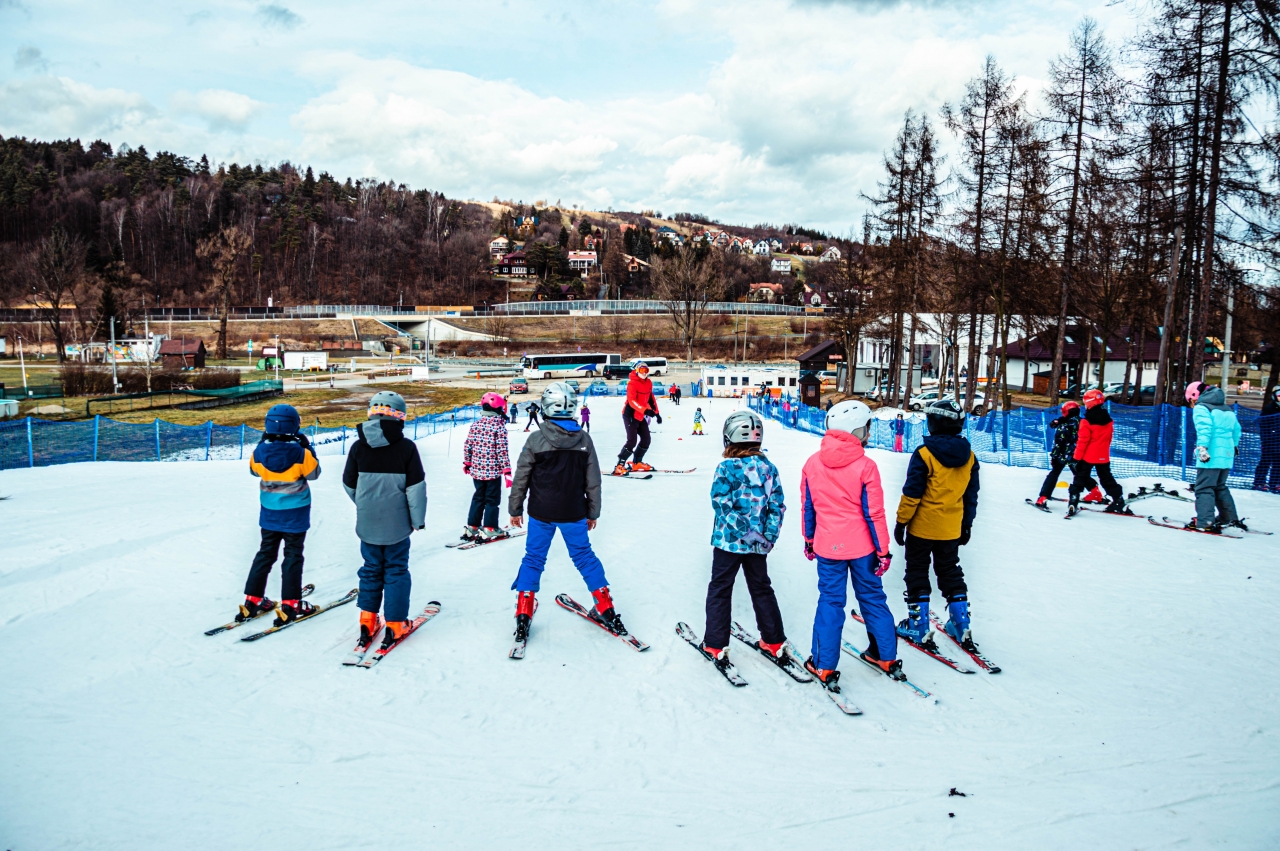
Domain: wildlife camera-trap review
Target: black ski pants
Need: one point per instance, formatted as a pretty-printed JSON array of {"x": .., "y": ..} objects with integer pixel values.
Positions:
[
  {"x": 946, "y": 564},
  {"x": 290, "y": 568},
  {"x": 1055, "y": 470},
  {"x": 637, "y": 437},
  {"x": 1083, "y": 481},
  {"x": 485, "y": 501},
  {"x": 724, "y": 570},
  {"x": 533, "y": 421}
]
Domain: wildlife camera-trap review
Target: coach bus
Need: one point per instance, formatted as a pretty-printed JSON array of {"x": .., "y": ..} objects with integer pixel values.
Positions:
[{"x": 567, "y": 366}]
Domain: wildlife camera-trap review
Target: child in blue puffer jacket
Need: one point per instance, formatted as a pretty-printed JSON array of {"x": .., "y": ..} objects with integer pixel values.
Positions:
[{"x": 748, "y": 501}]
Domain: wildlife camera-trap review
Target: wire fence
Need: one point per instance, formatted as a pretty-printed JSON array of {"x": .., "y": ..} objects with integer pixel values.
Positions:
[
  {"x": 32, "y": 442},
  {"x": 1147, "y": 441}
]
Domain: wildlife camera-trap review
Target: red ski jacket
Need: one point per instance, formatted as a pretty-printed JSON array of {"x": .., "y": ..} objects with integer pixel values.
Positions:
[
  {"x": 640, "y": 396},
  {"x": 1093, "y": 443}
]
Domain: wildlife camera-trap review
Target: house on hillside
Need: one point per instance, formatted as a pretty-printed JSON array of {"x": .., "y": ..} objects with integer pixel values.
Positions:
[
  {"x": 670, "y": 234},
  {"x": 830, "y": 254},
  {"x": 582, "y": 261},
  {"x": 761, "y": 248},
  {"x": 499, "y": 247},
  {"x": 183, "y": 354},
  {"x": 775, "y": 244},
  {"x": 781, "y": 265},
  {"x": 766, "y": 291},
  {"x": 592, "y": 243},
  {"x": 1032, "y": 359},
  {"x": 514, "y": 263}
]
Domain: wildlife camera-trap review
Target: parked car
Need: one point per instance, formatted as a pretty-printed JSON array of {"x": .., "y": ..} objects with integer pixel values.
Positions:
[
  {"x": 572, "y": 382},
  {"x": 598, "y": 388},
  {"x": 920, "y": 401},
  {"x": 518, "y": 385},
  {"x": 827, "y": 376}
]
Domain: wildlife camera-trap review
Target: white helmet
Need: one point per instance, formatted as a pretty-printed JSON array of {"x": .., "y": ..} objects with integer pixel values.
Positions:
[
  {"x": 743, "y": 427},
  {"x": 559, "y": 401},
  {"x": 850, "y": 415}
]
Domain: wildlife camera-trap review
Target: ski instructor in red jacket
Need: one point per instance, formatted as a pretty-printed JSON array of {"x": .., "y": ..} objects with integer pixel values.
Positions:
[{"x": 640, "y": 401}]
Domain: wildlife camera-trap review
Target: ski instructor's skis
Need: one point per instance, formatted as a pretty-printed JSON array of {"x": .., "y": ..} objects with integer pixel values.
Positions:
[
  {"x": 306, "y": 591},
  {"x": 432, "y": 609},
  {"x": 342, "y": 601},
  {"x": 567, "y": 602}
]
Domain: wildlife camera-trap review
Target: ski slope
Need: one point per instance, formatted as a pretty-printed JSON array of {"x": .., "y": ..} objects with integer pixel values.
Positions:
[{"x": 1136, "y": 708}]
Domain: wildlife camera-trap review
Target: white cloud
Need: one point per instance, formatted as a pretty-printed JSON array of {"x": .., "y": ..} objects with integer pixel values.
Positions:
[
  {"x": 57, "y": 107},
  {"x": 220, "y": 109}
]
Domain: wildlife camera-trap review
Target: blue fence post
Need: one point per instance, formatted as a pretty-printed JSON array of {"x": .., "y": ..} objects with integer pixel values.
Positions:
[
  {"x": 31, "y": 453},
  {"x": 1182, "y": 426},
  {"x": 344, "y": 440},
  {"x": 96, "y": 417},
  {"x": 208, "y": 439},
  {"x": 157, "y": 425},
  {"x": 241, "y": 441},
  {"x": 1008, "y": 444},
  {"x": 415, "y": 427}
]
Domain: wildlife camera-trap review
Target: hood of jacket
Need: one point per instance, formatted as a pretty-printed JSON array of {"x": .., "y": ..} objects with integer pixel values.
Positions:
[
  {"x": 951, "y": 450},
  {"x": 840, "y": 449},
  {"x": 381, "y": 431},
  {"x": 1213, "y": 399},
  {"x": 563, "y": 434},
  {"x": 1097, "y": 415}
]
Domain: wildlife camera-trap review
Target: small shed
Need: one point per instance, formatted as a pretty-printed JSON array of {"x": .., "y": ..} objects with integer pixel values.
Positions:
[
  {"x": 821, "y": 356},
  {"x": 182, "y": 354},
  {"x": 811, "y": 390}
]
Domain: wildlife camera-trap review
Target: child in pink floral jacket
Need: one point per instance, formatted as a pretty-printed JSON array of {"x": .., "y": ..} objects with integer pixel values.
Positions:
[{"x": 486, "y": 458}]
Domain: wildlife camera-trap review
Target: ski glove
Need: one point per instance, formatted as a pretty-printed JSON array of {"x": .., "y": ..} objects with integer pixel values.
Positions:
[
  {"x": 808, "y": 551},
  {"x": 1202, "y": 453},
  {"x": 302, "y": 440},
  {"x": 657, "y": 416},
  {"x": 882, "y": 563},
  {"x": 964, "y": 535},
  {"x": 506, "y": 477},
  {"x": 466, "y": 468},
  {"x": 900, "y": 534}
]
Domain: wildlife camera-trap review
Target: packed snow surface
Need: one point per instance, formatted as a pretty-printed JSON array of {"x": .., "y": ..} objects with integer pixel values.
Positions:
[{"x": 1137, "y": 707}]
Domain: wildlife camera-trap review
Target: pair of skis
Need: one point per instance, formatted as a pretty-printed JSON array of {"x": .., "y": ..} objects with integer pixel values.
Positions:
[
  {"x": 473, "y": 543},
  {"x": 306, "y": 592},
  {"x": 359, "y": 656},
  {"x": 649, "y": 474},
  {"x": 569, "y": 604}
]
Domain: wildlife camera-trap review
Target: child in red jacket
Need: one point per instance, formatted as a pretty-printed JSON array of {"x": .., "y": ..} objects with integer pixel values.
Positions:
[{"x": 1093, "y": 451}]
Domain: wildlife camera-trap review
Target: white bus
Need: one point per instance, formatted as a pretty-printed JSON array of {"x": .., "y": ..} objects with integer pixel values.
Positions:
[{"x": 567, "y": 366}]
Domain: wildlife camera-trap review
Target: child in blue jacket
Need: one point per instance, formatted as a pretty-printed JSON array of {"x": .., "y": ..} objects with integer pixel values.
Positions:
[
  {"x": 285, "y": 462},
  {"x": 747, "y": 497}
]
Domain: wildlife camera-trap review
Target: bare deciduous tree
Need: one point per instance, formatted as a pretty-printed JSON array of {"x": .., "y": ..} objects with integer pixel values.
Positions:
[
  {"x": 224, "y": 250},
  {"x": 686, "y": 283},
  {"x": 56, "y": 272}
]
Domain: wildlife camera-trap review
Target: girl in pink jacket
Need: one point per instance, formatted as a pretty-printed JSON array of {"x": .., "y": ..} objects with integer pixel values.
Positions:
[{"x": 845, "y": 530}]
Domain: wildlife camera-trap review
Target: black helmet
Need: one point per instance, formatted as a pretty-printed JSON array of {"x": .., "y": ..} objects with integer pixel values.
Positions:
[{"x": 944, "y": 416}]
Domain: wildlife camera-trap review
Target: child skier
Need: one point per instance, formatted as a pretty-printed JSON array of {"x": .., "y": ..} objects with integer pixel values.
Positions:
[
  {"x": 1217, "y": 442},
  {"x": 747, "y": 498},
  {"x": 559, "y": 471},
  {"x": 285, "y": 462},
  {"x": 533, "y": 416},
  {"x": 1093, "y": 450},
  {"x": 935, "y": 518},
  {"x": 697, "y": 421},
  {"x": 844, "y": 529},
  {"x": 1066, "y": 428},
  {"x": 899, "y": 429},
  {"x": 487, "y": 460},
  {"x": 640, "y": 402},
  {"x": 384, "y": 478},
  {"x": 585, "y": 414}
]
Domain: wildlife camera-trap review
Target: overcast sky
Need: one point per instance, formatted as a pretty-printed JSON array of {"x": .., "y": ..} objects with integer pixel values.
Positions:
[{"x": 746, "y": 111}]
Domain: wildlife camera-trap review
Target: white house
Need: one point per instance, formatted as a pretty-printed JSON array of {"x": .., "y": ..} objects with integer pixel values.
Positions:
[
  {"x": 830, "y": 254},
  {"x": 775, "y": 244},
  {"x": 499, "y": 246},
  {"x": 781, "y": 265},
  {"x": 761, "y": 248},
  {"x": 582, "y": 260}
]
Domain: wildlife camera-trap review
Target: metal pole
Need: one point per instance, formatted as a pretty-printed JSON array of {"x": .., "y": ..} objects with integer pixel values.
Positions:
[
  {"x": 22, "y": 366},
  {"x": 96, "y": 418},
  {"x": 115, "y": 382},
  {"x": 31, "y": 454},
  {"x": 1226, "y": 343},
  {"x": 146, "y": 331},
  {"x": 1162, "y": 366}
]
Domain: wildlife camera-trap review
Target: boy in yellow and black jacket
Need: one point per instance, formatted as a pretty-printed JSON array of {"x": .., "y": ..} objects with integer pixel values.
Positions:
[{"x": 935, "y": 516}]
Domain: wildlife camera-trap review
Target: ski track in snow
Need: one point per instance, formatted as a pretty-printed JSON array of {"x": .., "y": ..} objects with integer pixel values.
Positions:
[{"x": 1128, "y": 714}]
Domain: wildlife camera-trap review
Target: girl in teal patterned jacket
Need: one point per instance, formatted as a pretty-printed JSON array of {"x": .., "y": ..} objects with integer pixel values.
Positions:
[{"x": 747, "y": 497}]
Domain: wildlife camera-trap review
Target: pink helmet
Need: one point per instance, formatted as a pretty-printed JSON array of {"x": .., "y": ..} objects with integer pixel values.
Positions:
[
  {"x": 1194, "y": 389},
  {"x": 494, "y": 401}
]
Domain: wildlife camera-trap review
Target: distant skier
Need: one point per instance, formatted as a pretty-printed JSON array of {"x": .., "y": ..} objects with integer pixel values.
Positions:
[
  {"x": 899, "y": 429},
  {"x": 1066, "y": 431},
  {"x": 640, "y": 402},
  {"x": 533, "y": 416},
  {"x": 842, "y": 503},
  {"x": 1267, "y": 474},
  {"x": 515, "y": 413},
  {"x": 385, "y": 479},
  {"x": 1217, "y": 443},
  {"x": 676, "y": 393},
  {"x": 486, "y": 459},
  {"x": 1093, "y": 451},
  {"x": 698, "y": 420},
  {"x": 747, "y": 498},
  {"x": 285, "y": 462},
  {"x": 935, "y": 518},
  {"x": 559, "y": 472},
  {"x": 585, "y": 414}
]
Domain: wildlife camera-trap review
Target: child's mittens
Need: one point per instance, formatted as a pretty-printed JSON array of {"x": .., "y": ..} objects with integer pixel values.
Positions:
[
  {"x": 466, "y": 468},
  {"x": 506, "y": 477},
  {"x": 900, "y": 534},
  {"x": 808, "y": 551},
  {"x": 882, "y": 563},
  {"x": 1202, "y": 452}
]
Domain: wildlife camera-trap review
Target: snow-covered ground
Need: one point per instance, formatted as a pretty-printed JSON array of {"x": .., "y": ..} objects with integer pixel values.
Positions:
[{"x": 1137, "y": 707}]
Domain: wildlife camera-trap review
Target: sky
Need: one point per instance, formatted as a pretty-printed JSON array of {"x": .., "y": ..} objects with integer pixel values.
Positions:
[{"x": 750, "y": 111}]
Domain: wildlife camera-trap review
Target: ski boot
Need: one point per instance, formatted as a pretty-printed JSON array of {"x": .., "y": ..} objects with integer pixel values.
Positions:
[
  {"x": 719, "y": 658},
  {"x": 1237, "y": 524},
  {"x": 1212, "y": 529},
  {"x": 470, "y": 533},
  {"x": 641, "y": 467},
  {"x": 915, "y": 627},
  {"x": 957, "y": 626},
  {"x": 526, "y": 603},
  {"x": 291, "y": 610},
  {"x": 828, "y": 677},
  {"x": 490, "y": 533},
  {"x": 1073, "y": 505},
  {"x": 1095, "y": 496},
  {"x": 396, "y": 630},
  {"x": 622, "y": 469},
  {"x": 603, "y": 612},
  {"x": 254, "y": 606},
  {"x": 777, "y": 651},
  {"x": 370, "y": 623},
  {"x": 893, "y": 670},
  {"x": 1042, "y": 502},
  {"x": 1118, "y": 507}
]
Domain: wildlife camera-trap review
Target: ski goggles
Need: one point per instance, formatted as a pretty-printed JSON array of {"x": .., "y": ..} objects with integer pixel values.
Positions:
[{"x": 386, "y": 411}]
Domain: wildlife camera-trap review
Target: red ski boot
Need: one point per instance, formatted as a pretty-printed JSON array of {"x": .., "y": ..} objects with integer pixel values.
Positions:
[
  {"x": 292, "y": 610},
  {"x": 603, "y": 612}
]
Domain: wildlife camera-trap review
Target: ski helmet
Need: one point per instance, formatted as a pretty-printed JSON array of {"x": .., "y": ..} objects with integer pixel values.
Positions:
[
  {"x": 559, "y": 400},
  {"x": 743, "y": 427},
  {"x": 493, "y": 402},
  {"x": 850, "y": 415},
  {"x": 1194, "y": 389},
  {"x": 387, "y": 405},
  {"x": 944, "y": 416},
  {"x": 1069, "y": 406},
  {"x": 641, "y": 369},
  {"x": 1093, "y": 398},
  {"x": 282, "y": 419}
]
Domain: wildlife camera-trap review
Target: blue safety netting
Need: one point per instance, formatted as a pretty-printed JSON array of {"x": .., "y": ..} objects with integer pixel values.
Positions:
[
  {"x": 1157, "y": 442},
  {"x": 32, "y": 442}
]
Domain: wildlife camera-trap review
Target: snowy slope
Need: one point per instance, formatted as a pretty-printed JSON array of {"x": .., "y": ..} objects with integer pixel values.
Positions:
[{"x": 1128, "y": 714}]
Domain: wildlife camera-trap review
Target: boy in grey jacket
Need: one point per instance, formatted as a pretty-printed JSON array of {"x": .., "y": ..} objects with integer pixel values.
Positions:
[{"x": 384, "y": 478}]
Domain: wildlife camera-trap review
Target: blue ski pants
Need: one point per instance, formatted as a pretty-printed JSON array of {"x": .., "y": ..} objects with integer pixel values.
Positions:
[
  {"x": 828, "y": 622},
  {"x": 385, "y": 570},
  {"x": 538, "y": 542}
]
